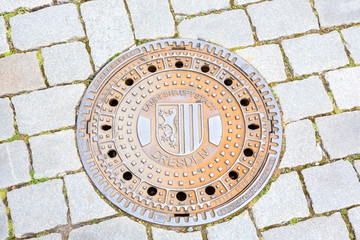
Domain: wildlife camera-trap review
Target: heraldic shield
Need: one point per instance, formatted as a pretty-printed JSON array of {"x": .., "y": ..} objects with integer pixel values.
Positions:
[{"x": 179, "y": 127}]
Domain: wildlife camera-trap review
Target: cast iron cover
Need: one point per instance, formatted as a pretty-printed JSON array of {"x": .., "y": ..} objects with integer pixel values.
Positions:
[{"x": 179, "y": 132}]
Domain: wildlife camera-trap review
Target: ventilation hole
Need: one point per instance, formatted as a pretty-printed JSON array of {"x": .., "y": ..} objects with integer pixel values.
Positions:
[
  {"x": 113, "y": 102},
  {"x": 152, "y": 191},
  {"x": 182, "y": 215},
  {"x": 233, "y": 175},
  {"x": 179, "y": 64},
  {"x": 210, "y": 190},
  {"x": 127, "y": 176},
  {"x": 129, "y": 82},
  {"x": 112, "y": 153},
  {"x": 178, "y": 48},
  {"x": 248, "y": 152},
  {"x": 105, "y": 127},
  {"x": 152, "y": 68},
  {"x": 245, "y": 102},
  {"x": 253, "y": 126},
  {"x": 228, "y": 82},
  {"x": 181, "y": 196},
  {"x": 205, "y": 68}
]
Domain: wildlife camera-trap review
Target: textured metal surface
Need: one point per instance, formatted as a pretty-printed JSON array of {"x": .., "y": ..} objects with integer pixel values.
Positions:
[{"x": 179, "y": 132}]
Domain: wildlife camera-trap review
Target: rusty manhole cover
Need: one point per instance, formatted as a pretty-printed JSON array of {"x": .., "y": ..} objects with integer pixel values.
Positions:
[{"x": 179, "y": 132}]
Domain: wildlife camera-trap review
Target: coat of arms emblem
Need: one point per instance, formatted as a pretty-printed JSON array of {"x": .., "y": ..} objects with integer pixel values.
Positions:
[{"x": 179, "y": 127}]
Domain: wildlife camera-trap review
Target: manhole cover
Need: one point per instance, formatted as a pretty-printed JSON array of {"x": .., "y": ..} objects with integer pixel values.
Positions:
[{"x": 179, "y": 132}]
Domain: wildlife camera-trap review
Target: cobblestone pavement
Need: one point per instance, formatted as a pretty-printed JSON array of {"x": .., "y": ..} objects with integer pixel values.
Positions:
[{"x": 308, "y": 51}]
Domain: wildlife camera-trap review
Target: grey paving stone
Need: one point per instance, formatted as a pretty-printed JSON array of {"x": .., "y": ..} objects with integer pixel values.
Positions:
[
  {"x": 303, "y": 98},
  {"x": 10, "y": 6},
  {"x": 3, "y": 222},
  {"x": 41, "y": 28},
  {"x": 277, "y": 18},
  {"x": 114, "y": 229},
  {"x": 43, "y": 110},
  {"x": 340, "y": 133},
  {"x": 332, "y": 186},
  {"x": 65, "y": 1},
  {"x": 240, "y": 227},
  {"x": 54, "y": 154},
  {"x": 196, "y": 6},
  {"x": 229, "y": 29},
  {"x": 53, "y": 236},
  {"x": 14, "y": 161},
  {"x": 6, "y": 120},
  {"x": 301, "y": 147},
  {"x": 38, "y": 207},
  {"x": 357, "y": 166},
  {"x": 162, "y": 234},
  {"x": 354, "y": 217},
  {"x": 334, "y": 12},
  {"x": 345, "y": 86},
  {"x": 352, "y": 39},
  {"x": 85, "y": 204},
  {"x": 284, "y": 201},
  {"x": 241, "y": 2},
  {"x": 151, "y": 19},
  {"x": 108, "y": 33},
  {"x": 315, "y": 53},
  {"x": 66, "y": 63},
  {"x": 267, "y": 60},
  {"x": 332, "y": 228},
  {"x": 4, "y": 47},
  {"x": 20, "y": 72}
]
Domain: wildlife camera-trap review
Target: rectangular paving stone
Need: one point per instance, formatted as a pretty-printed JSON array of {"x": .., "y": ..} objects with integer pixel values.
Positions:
[
  {"x": 345, "y": 86},
  {"x": 332, "y": 186},
  {"x": 66, "y": 63},
  {"x": 229, "y": 29},
  {"x": 241, "y": 2},
  {"x": 54, "y": 153},
  {"x": 196, "y": 6},
  {"x": 354, "y": 218},
  {"x": 12, "y": 5},
  {"x": 277, "y": 18},
  {"x": 85, "y": 204},
  {"x": 108, "y": 33},
  {"x": 4, "y": 231},
  {"x": 340, "y": 133},
  {"x": 38, "y": 207},
  {"x": 65, "y": 1},
  {"x": 49, "y": 25},
  {"x": 163, "y": 234},
  {"x": 20, "y": 72},
  {"x": 332, "y": 227},
  {"x": 14, "y": 161},
  {"x": 6, "y": 120},
  {"x": 315, "y": 53},
  {"x": 113, "y": 229},
  {"x": 335, "y": 12},
  {"x": 151, "y": 19},
  {"x": 303, "y": 98},
  {"x": 239, "y": 227},
  {"x": 352, "y": 39},
  {"x": 4, "y": 46},
  {"x": 357, "y": 166},
  {"x": 301, "y": 147},
  {"x": 267, "y": 59},
  {"x": 48, "y": 109},
  {"x": 284, "y": 201},
  {"x": 53, "y": 236}
]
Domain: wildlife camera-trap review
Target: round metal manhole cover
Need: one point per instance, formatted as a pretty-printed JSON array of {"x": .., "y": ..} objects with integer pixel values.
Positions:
[{"x": 179, "y": 132}]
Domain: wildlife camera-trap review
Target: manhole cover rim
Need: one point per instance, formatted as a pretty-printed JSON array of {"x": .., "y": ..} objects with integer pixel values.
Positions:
[{"x": 226, "y": 209}]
